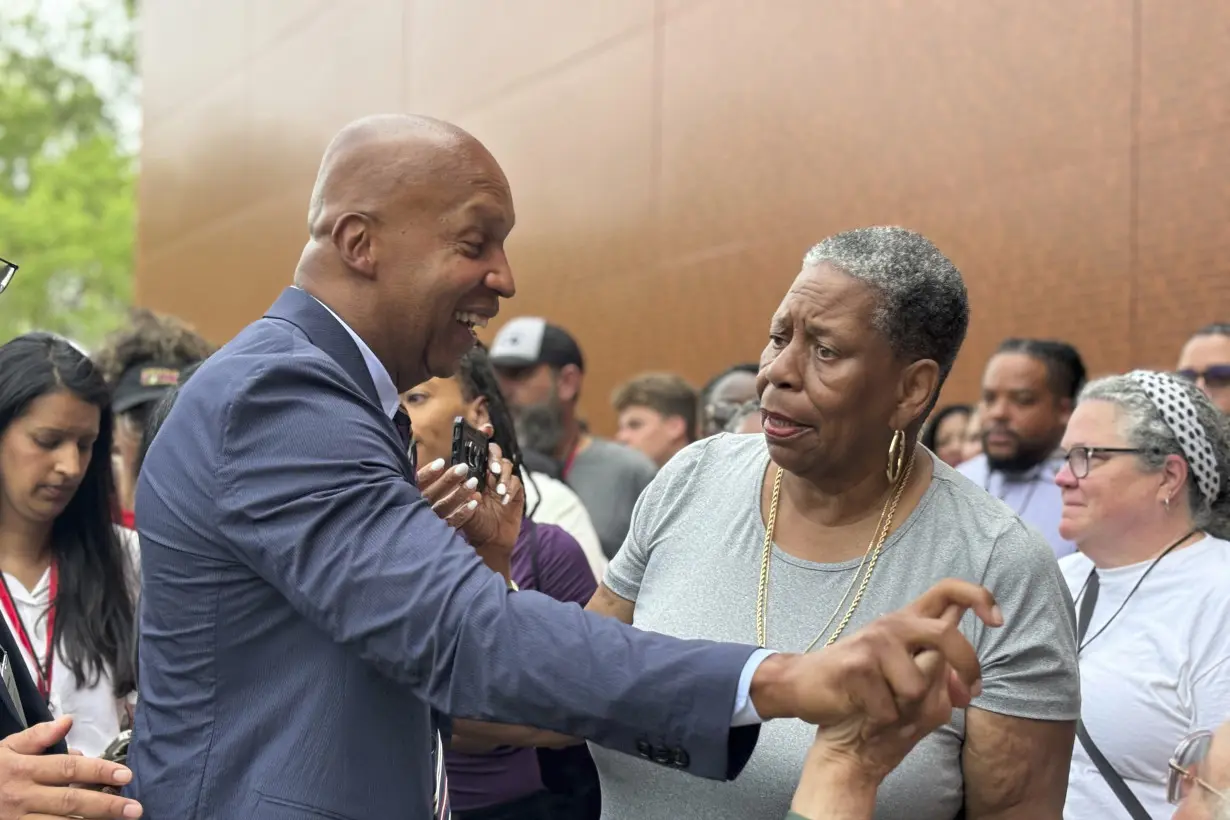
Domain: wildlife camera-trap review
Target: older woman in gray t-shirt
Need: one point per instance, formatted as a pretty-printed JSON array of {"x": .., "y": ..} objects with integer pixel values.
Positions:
[{"x": 835, "y": 516}]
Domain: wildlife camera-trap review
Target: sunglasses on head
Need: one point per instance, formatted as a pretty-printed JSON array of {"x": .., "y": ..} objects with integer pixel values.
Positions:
[
  {"x": 7, "y": 269},
  {"x": 1215, "y": 376}
]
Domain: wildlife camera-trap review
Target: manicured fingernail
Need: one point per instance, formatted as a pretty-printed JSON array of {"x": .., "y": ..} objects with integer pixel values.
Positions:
[
  {"x": 976, "y": 689},
  {"x": 495, "y": 467},
  {"x": 507, "y": 498},
  {"x": 472, "y": 483},
  {"x": 997, "y": 615},
  {"x": 132, "y": 810},
  {"x": 121, "y": 776},
  {"x": 438, "y": 464},
  {"x": 501, "y": 489},
  {"x": 471, "y": 505},
  {"x": 461, "y": 469}
]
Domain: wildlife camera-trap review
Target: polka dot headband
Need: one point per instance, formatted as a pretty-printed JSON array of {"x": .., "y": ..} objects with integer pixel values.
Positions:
[{"x": 1179, "y": 413}]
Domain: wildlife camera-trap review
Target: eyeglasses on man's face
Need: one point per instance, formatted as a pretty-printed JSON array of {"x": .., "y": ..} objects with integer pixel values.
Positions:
[
  {"x": 1184, "y": 775},
  {"x": 1081, "y": 458},
  {"x": 7, "y": 269},
  {"x": 1215, "y": 377}
]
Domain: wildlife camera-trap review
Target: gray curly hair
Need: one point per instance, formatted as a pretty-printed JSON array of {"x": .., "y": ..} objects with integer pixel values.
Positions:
[
  {"x": 1143, "y": 426},
  {"x": 923, "y": 307}
]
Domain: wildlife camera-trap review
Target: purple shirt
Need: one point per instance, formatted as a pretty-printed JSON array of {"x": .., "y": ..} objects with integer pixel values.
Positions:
[{"x": 548, "y": 560}]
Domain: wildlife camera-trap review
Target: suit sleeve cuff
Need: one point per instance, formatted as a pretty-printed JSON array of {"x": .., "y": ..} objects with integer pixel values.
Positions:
[{"x": 745, "y": 712}]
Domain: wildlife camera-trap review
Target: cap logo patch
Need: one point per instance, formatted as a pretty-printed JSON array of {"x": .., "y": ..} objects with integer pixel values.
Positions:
[{"x": 159, "y": 377}]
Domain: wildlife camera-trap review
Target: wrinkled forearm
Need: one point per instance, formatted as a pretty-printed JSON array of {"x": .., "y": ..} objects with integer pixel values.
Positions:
[{"x": 831, "y": 791}]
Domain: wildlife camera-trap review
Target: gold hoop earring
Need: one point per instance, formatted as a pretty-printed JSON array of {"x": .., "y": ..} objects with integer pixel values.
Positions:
[{"x": 896, "y": 457}]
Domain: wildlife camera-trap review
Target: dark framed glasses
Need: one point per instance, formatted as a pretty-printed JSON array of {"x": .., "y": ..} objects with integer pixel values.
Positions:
[
  {"x": 1184, "y": 769},
  {"x": 1080, "y": 458},
  {"x": 7, "y": 270},
  {"x": 1215, "y": 377}
]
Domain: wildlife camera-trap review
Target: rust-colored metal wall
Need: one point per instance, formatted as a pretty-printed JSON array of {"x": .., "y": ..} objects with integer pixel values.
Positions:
[{"x": 671, "y": 160}]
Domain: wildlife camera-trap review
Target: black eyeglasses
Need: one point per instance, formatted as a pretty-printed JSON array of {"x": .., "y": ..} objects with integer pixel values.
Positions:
[
  {"x": 1079, "y": 458},
  {"x": 1215, "y": 377},
  {"x": 7, "y": 269}
]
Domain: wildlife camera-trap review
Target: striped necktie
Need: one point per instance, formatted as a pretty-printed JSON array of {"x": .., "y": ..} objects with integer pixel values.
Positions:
[{"x": 440, "y": 805}]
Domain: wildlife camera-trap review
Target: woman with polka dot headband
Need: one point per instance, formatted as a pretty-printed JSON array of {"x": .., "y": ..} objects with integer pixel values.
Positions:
[{"x": 1146, "y": 494}]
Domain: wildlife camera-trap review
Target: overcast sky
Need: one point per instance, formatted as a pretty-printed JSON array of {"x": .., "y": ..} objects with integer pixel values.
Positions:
[{"x": 58, "y": 15}]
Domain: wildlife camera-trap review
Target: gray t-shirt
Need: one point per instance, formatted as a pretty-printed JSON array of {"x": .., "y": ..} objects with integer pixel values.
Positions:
[
  {"x": 692, "y": 561},
  {"x": 609, "y": 478}
]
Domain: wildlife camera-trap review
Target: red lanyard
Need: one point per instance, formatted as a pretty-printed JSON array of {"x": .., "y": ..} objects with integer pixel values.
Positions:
[
  {"x": 568, "y": 464},
  {"x": 42, "y": 669}
]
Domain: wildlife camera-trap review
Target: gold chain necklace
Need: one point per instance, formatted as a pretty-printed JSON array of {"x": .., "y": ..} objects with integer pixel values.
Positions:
[{"x": 877, "y": 542}]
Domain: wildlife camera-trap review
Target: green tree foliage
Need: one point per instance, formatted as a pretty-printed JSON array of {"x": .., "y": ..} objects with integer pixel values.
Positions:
[{"x": 67, "y": 181}]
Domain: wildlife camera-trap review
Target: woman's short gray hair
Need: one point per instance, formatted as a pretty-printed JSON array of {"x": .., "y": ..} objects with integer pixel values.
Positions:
[
  {"x": 923, "y": 307},
  {"x": 1145, "y": 429}
]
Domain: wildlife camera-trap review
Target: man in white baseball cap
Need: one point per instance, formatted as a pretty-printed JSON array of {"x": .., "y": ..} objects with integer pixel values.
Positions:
[{"x": 541, "y": 369}]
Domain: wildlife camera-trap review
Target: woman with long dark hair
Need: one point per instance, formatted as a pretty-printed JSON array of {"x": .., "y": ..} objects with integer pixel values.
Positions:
[
  {"x": 509, "y": 783},
  {"x": 67, "y": 576}
]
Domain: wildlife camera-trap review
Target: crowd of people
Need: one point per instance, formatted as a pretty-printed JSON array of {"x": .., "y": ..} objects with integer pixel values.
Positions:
[{"x": 259, "y": 581}]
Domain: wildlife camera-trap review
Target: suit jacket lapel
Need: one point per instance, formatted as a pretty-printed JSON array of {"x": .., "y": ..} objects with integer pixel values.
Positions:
[
  {"x": 303, "y": 311},
  {"x": 30, "y": 703},
  {"x": 8, "y": 650}
]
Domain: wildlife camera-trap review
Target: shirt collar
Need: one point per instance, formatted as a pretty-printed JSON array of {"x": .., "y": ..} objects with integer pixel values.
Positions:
[{"x": 385, "y": 389}]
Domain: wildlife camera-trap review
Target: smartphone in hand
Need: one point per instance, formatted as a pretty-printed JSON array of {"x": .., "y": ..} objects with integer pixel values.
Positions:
[{"x": 470, "y": 447}]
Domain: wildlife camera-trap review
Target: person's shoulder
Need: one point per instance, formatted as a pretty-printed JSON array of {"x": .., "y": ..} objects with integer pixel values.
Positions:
[
  {"x": 712, "y": 463},
  {"x": 1206, "y": 565},
  {"x": 985, "y": 522},
  {"x": 954, "y": 486},
  {"x": 721, "y": 448},
  {"x": 974, "y": 468},
  {"x": 554, "y": 540},
  {"x": 1075, "y": 567},
  {"x": 566, "y": 574},
  {"x": 553, "y": 494},
  {"x": 549, "y": 486}
]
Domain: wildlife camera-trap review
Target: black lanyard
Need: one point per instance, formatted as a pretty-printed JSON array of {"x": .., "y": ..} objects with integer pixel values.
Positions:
[{"x": 1088, "y": 596}]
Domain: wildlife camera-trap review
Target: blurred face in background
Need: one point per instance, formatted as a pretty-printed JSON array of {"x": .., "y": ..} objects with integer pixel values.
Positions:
[
  {"x": 1205, "y": 360},
  {"x": 433, "y": 406},
  {"x": 950, "y": 438},
  {"x": 728, "y": 395},
  {"x": 525, "y": 386},
  {"x": 1022, "y": 418},
  {"x": 656, "y": 435},
  {"x": 971, "y": 439}
]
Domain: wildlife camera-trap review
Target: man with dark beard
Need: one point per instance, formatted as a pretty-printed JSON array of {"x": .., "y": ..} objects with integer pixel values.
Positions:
[
  {"x": 1028, "y": 391},
  {"x": 540, "y": 369}
]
